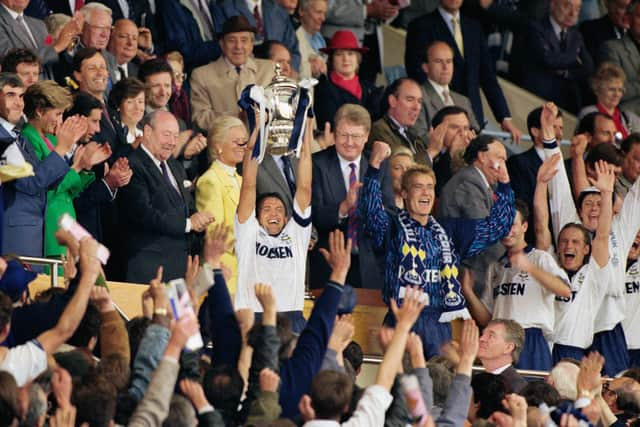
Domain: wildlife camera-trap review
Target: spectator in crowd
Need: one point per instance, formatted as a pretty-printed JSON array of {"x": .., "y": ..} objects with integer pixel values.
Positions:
[
  {"x": 123, "y": 45},
  {"x": 630, "y": 147},
  {"x": 608, "y": 85},
  {"x": 24, "y": 63},
  {"x": 625, "y": 53},
  {"x": 501, "y": 345},
  {"x": 338, "y": 172},
  {"x": 438, "y": 67},
  {"x": 127, "y": 106},
  {"x": 44, "y": 104},
  {"x": 236, "y": 69},
  {"x": 278, "y": 53},
  {"x": 19, "y": 31},
  {"x": 416, "y": 9},
  {"x": 472, "y": 67},
  {"x": 272, "y": 244},
  {"x": 270, "y": 20},
  {"x": 190, "y": 30},
  {"x": 598, "y": 128},
  {"x": 558, "y": 64},
  {"x": 400, "y": 161},
  {"x": 449, "y": 138},
  {"x": 523, "y": 167},
  {"x": 622, "y": 396},
  {"x": 218, "y": 189},
  {"x": 179, "y": 101},
  {"x": 608, "y": 330},
  {"x": 470, "y": 193},
  {"x": 431, "y": 259},
  {"x": 632, "y": 293},
  {"x": 312, "y": 15},
  {"x": 25, "y": 198},
  {"x": 403, "y": 100},
  {"x": 611, "y": 26},
  {"x": 342, "y": 85},
  {"x": 156, "y": 210},
  {"x": 563, "y": 377}
]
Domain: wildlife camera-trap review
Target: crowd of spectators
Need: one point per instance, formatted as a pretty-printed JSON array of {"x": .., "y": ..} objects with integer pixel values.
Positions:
[{"x": 127, "y": 117}]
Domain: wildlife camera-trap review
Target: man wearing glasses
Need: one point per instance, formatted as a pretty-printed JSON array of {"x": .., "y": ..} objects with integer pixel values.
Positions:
[{"x": 337, "y": 175}]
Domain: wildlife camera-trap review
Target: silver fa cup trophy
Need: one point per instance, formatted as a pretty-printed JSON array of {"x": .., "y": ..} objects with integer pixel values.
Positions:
[{"x": 282, "y": 96}]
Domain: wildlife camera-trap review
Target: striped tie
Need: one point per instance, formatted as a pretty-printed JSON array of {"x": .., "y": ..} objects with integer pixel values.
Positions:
[{"x": 353, "y": 221}]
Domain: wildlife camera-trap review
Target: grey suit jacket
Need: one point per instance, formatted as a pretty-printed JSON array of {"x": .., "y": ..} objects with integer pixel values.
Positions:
[
  {"x": 271, "y": 180},
  {"x": 13, "y": 35},
  {"x": 467, "y": 195},
  {"x": 624, "y": 53},
  {"x": 345, "y": 15},
  {"x": 432, "y": 103}
]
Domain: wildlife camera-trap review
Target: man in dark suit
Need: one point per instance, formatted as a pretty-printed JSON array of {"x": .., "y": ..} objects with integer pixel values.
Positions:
[
  {"x": 404, "y": 99},
  {"x": 611, "y": 26},
  {"x": 473, "y": 68},
  {"x": 337, "y": 175},
  {"x": 272, "y": 177},
  {"x": 123, "y": 45},
  {"x": 438, "y": 67},
  {"x": 558, "y": 64},
  {"x": 25, "y": 199},
  {"x": 470, "y": 194},
  {"x": 274, "y": 23},
  {"x": 156, "y": 210},
  {"x": 500, "y": 346},
  {"x": 20, "y": 31},
  {"x": 523, "y": 167}
]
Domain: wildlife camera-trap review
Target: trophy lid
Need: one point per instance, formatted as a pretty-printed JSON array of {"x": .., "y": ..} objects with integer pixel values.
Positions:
[{"x": 281, "y": 81}]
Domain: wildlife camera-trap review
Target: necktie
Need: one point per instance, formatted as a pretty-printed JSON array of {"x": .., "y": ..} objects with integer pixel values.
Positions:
[
  {"x": 288, "y": 174},
  {"x": 123, "y": 72},
  {"x": 353, "y": 221},
  {"x": 26, "y": 29},
  {"x": 79, "y": 4},
  {"x": 563, "y": 39},
  {"x": 238, "y": 69},
  {"x": 258, "y": 18},
  {"x": 446, "y": 97},
  {"x": 457, "y": 34},
  {"x": 19, "y": 139},
  {"x": 167, "y": 178}
]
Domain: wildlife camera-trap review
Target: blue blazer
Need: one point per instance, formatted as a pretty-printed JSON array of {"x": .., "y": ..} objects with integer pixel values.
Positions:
[
  {"x": 523, "y": 171},
  {"x": 275, "y": 20},
  {"x": 25, "y": 201},
  {"x": 181, "y": 33},
  {"x": 471, "y": 72}
]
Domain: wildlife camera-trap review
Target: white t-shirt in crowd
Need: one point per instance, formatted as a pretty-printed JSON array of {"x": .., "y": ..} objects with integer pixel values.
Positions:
[
  {"x": 279, "y": 261},
  {"x": 631, "y": 323},
  {"x": 24, "y": 362},
  {"x": 513, "y": 294},
  {"x": 575, "y": 315}
]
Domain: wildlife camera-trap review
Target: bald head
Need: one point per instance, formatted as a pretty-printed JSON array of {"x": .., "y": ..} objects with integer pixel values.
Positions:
[
  {"x": 124, "y": 41},
  {"x": 160, "y": 135}
]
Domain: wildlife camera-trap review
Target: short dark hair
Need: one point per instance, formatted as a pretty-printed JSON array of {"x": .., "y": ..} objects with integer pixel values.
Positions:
[
  {"x": 607, "y": 152},
  {"x": 533, "y": 119},
  {"x": 83, "y": 104},
  {"x": 88, "y": 328},
  {"x": 586, "y": 235},
  {"x": 6, "y": 309},
  {"x": 488, "y": 392},
  {"x": 223, "y": 388},
  {"x": 588, "y": 123},
  {"x": 478, "y": 144},
  {"x": 95, "y": 401},
  {"x": 629, "y": 142},
  {"x": 263, "y": 50},
  {"x": 394, "y": 89},
  {"x": 136, "y": 329},
  {"x": 9, "y": 406},
  {"x": 330, "y": 394},
  {"x": 450, "y": 110},
  {"x": 10, "y": 79},
  {"x": 83, "y": 54},
  {"x": 522, "y": 207},
  {"x": 17, "y": 56},
  {"x": 353, "y": 353},
  {"x": 123, "y": 90},
  {"x": 537, "y": 392},
  {"x": 154, "y": 66},
  {"x": 264, "y": 196}
]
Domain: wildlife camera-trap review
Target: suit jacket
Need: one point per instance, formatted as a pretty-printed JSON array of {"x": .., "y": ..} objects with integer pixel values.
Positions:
[
  {"x": 275, "y": 21},
  {"x": 513, "y": 380},
  {"x": 306, "y": 51},
  {"x": 13, "y": 34},
  {"x": 219, "y": 194},
  {"x": 271, "y": 179},
  {"x": 523, "y": 172},
  {"x": 624, "y": 53},
  {"x": 471, "y": 72},
  {"x": 386, "y": 130},
  {"x": 467, "y": 195},
  {"x": 154, "y": 217},
  {"x": 25, "y": 201},
  {"x": 597, "y": 31},
  {"x": 181, "y": 32},
  {"x": 345, "y": 15},
  {"x": 553, "y": 73},
  {"x": 432, "y": 103},
  {"x": 328, "y": 192},
  {"x": 216, "y": 88}
]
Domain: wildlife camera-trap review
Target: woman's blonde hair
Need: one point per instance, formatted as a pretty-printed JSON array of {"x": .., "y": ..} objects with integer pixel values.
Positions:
[
  {"x": 218, "y": 133},
  {"x": 605, "y": 73},
  {"x": 44, "y": 95}
]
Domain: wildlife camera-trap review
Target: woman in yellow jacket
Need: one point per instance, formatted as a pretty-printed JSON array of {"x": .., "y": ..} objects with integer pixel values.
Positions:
[{"x": 218, "y": 189}]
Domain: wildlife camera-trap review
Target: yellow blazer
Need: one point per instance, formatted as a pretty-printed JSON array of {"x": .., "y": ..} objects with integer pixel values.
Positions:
[{"x": 217, "y": 193}]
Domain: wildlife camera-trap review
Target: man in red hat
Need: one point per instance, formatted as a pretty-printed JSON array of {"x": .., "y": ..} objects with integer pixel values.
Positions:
[{"x": 216, "y": 87}]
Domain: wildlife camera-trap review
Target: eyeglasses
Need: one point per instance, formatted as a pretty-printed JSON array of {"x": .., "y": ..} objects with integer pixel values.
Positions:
[{"x": 356, "y": 137}]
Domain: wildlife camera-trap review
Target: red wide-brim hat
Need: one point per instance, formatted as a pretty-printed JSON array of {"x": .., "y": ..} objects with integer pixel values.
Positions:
[{"x": 344, "y": 39}]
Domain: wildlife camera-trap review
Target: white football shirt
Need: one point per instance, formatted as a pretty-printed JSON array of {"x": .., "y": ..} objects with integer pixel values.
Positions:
[{"x": 631, "y": 323}]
